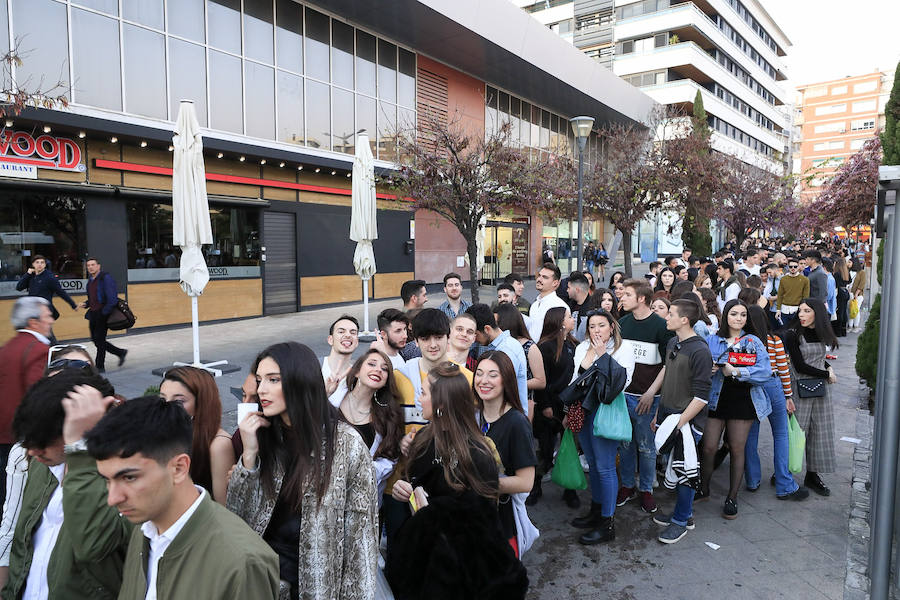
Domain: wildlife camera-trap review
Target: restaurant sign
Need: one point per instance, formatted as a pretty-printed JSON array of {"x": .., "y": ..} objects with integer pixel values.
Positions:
[{"x": 45, "y": 151}]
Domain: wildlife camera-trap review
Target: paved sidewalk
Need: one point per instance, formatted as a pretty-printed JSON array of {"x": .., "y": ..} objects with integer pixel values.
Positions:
[{"x": 774, "y": 549}]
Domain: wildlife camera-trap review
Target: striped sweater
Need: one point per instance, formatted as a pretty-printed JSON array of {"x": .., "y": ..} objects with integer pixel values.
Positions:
[{"x": 780, "y": 364}]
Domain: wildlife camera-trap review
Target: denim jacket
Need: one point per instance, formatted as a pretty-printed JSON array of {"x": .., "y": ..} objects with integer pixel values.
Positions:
[{"x": 757, "y": 375}]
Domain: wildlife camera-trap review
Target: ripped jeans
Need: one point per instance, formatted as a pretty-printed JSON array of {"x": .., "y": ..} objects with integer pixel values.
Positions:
[{"x": 640, "y": 453}]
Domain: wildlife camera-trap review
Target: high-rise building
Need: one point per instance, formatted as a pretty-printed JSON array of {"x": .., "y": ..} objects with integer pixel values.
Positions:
[
  {"x": 732, "y": 51},
  {"x": 833, "y": 119}
]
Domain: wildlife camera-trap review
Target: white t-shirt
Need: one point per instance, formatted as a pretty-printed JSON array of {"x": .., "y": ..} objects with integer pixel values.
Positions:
[
  {"x": 341, "y": 390},
  {"x": 538, "y": 311}
]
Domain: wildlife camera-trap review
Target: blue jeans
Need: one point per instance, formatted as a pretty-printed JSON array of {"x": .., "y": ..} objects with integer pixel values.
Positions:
[
  {"x": 640, "y": 453},
  {"x": 601, "y": 456},
  {"x": 684, "y": 505},
  {"x": 778, "y": 420}
]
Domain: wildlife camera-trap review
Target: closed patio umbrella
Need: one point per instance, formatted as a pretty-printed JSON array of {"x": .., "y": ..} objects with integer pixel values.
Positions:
[
  {"x": 190, "y": 216},
  {"x": 363, "y": 223}
]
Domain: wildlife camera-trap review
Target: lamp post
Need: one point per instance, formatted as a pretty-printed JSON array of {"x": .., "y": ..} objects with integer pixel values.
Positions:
[{"x": 581, "y": 126}]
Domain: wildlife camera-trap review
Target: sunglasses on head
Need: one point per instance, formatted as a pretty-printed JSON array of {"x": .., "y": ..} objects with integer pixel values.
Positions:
[{"x": 68, "y": 363}]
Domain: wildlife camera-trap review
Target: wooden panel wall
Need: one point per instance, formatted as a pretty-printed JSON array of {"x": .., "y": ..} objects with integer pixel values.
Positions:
[
  {"x": 70, "y": 325},
  {"x": 387, "y": 285},
  {"x": 156, "y": 304},
  {"x": 329, "y": 289}
]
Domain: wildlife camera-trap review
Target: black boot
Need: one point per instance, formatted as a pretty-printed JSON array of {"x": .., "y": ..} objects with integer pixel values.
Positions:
[
  {"x": 815, "y": 483},
  {"x": 589, "y": 520},
  {"x": 570, "y": 497},
  {"x": 604, "y": 532},
  {"x": 536, "y": 493}
]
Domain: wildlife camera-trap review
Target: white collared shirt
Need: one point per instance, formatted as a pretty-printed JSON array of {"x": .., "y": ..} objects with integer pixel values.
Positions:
[
  {"x": 538, "y": 311},
  {"x": 41, "y": 337},
  {"x": 159, "y": 542},
  {"x": 36, "y": 587}
]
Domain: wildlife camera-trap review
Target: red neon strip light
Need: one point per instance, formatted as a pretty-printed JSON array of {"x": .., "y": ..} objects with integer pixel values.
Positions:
[
  {"x": 28, "y": 161},
  {"x": 138, "y": 168}
]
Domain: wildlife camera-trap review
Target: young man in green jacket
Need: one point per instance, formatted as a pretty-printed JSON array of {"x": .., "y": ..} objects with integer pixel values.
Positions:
[
  {"x": 68, "y": 542},
  {"x": 187, "y": 547}
]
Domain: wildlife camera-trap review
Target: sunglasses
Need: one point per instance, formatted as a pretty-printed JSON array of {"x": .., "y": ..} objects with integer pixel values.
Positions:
[
  {"x": 675, "y": 350},
  {"x": 68, "y": 363},
  {"x": 64, "y": 349},
  {"x": 793, "y": 266}
]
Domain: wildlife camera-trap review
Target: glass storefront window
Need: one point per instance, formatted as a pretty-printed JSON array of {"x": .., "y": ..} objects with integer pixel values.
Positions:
[
  {"x": 185, "y": 61},
  {"x": 95, "y": 47},
  {"x": 290, "y": 108},
  {"x": 342, "y": 54},
  {"x": 365, "y": 63},
  {"x": 289, "y": 35},
  {"x": 406, "y": 82},
  {"x": 145, "y": 12},
  {"x": 318, "y": 115},
  {"x": 41, "y": 27},
  {"x": 387, "y": 129},
  {"x": 365, "y": 119},
  {"x": 186, "y": 19},
  {"x": 108, "y": 6},
  {"x": 387, "y": 71},
  {"x": 49, "y": 225},
  {"x": 258, "y": 30},
  {"x": 224, "y": 18},
  {"x": 317, "y": 41},
  {"x": 260, "y": 82},
  {"x": 343, "y": 136},
  {"x": 152, "y": 257},
  {"x": 145, "y": 72},
  {"x": 225, "y": 91}
]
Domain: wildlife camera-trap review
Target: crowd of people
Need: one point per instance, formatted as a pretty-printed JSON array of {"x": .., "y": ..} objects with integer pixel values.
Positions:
[{"x": 408, "y": 471}]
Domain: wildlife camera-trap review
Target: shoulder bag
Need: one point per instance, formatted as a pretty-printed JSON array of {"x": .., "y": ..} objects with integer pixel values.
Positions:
[{"x": 812, "y": 387}]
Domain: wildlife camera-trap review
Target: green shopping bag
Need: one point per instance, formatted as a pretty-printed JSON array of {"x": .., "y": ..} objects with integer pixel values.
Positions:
[
  {"x": 797, "y": 441},
  {"x": 612, "y": 421},
  {"x": 567, "y": 471}
]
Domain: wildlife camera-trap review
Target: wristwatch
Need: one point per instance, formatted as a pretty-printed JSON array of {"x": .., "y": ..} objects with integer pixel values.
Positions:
[{"x": 79, "y": 446}]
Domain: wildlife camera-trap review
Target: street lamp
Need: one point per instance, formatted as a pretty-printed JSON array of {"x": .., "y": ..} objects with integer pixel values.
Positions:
[{"x": 581, "y": 126}]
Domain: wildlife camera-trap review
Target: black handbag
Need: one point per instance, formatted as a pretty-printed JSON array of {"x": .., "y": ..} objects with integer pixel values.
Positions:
[
  {"x": 121, "y": 317},
  {"x": 814, "y": 387},
  {"x": 581, "y": 388}
]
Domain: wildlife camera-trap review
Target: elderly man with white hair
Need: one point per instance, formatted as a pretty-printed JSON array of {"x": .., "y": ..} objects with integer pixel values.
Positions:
[{"x": 22, "y": 362}]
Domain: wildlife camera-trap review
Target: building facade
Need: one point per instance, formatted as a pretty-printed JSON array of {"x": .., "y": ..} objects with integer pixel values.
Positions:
[
  {"x": 732, "y": 51},
  {"x": 282, "y": 89},
  {"x": 833, "y": 119}
]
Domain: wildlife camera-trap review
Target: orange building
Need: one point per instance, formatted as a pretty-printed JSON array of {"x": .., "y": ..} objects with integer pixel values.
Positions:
[{"x": 833, "y": 120}]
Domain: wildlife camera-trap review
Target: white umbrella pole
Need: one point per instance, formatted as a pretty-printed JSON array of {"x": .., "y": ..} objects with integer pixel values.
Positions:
[
  {"x": 366, "y": 305},
  {"x": 195, "y": 331}
]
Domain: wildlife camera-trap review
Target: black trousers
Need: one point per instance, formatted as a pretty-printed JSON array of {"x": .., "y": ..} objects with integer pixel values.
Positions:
[{"x": 97, "y": 321}]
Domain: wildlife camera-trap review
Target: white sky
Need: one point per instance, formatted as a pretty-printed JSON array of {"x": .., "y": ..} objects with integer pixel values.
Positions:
[{"x": 835, "y": 38}]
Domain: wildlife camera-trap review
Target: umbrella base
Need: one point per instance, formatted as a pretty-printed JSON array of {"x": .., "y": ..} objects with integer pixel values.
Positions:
[{"x": 216, "y": 368}]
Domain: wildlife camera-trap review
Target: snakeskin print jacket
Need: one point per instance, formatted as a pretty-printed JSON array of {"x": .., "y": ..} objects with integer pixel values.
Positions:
[{"x": 338, "y": 539}]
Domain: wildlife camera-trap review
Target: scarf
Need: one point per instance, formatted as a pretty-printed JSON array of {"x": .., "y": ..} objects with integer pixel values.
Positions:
[{"x": 724, "y": 286}]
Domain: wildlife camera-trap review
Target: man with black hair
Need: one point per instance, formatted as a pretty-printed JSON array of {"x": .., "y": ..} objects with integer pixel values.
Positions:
[
  {"x": 653, "y": 270},
  {"x": 187, "y": 545},
  {"x": 343, "y": 337},
  {"x": 393, "y": 333},
  {"x": 102, "y": 299},
  {"x": 454, "y": 304},
  {"x": 546, "y": 282},
  {"x": 488, "y": 334},
  {"x": 818, "y": 280},
  {"x": 67, "y": 540},
  {"x": 39, "y": 281},
  {"x": 581, "y": 302},
  {"x": 695, "y": 263},
  {"x": 672, "y": 261},
  {"x": 684, "y": 388},
  {"x": 515, "y": 280},
  {"x": 413, "y": 294},
  {"x": 751, "y": 263},
  {"x": 506, "y": 294},
  {"x": 685, "y": 260},
  {"x": 728, "y": 288}
]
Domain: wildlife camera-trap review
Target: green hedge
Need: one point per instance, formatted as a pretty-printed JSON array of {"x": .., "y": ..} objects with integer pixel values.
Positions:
[{"x": 867, "y": 344}]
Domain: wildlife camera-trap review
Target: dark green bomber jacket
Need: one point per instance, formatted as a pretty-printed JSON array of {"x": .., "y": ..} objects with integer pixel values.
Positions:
[{"x": 89, "y": 554}]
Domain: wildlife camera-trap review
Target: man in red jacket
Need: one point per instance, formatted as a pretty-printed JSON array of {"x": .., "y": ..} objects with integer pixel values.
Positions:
[{"x": 22, "y": 362}]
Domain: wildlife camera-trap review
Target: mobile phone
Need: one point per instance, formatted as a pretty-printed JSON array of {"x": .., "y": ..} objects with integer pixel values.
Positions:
[{"x": 244, "y": 409}]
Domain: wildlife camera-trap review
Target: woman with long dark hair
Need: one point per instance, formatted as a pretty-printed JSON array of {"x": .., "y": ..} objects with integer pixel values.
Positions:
[
  {"x": 736, "y": 400},
  {"x": 606, "y": 299},
  {"x": 808, "y": 339},
  {"x": 557, "y": 348},
  {"x": 305, "y": 481},
  {"x": 711, "y": 304},
  {"x": 372, "y": 407},
  {"x": 509, "y": 318},
  {"x": 778, "y": 389},
  {"x": 603, "y": 337},
  {"x": 841, "y": 281},
  {"x": 502, "y": 419},
  {"x": 212, "y": 454},
  {"x": 665, "y": 280},
  {"x": 454, "y": 464}
]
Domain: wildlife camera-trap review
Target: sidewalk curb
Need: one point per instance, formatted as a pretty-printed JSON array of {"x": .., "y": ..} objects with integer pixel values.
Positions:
[{"x": 856, "y": 582}]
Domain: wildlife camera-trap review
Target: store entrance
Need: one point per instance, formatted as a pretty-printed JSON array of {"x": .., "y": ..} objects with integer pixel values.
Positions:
[
  {"x": 280, "y": 275},
  {"x": 505, "y": 251}
]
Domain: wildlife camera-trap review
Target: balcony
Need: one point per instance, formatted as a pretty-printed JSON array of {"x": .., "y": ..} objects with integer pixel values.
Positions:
[
  {"x": 682, "y": 93},
  {"x": 693, "y": 62},
  {"x": 688, "y": 22}
]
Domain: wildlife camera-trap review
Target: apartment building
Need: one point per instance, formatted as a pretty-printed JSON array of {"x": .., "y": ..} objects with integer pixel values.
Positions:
[
  {"x": 833, "y": 119},
  {"x": 732, "y": 51}
]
